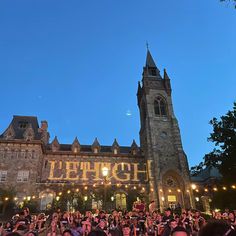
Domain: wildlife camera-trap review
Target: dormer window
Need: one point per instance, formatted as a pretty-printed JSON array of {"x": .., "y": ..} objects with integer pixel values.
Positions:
[
  {"x": 115, "y": 151},
  {"x": 95, "y": 150},
  {"x": 134, "y": 152},
  {"x": 23, "y": 124}
]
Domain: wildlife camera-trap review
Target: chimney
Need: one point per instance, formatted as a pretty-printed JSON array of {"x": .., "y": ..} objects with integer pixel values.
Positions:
[{"x": 44, "y": 125}]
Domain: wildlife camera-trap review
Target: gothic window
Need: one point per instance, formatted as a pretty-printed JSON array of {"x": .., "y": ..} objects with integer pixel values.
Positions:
[
  {"x": 46, "y": 199},
  {"x": 120, "y": 200},
  {"x": 160, "y": 107}
]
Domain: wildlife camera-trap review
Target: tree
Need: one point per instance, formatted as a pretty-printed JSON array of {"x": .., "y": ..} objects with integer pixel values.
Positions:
[
  {"x": 230, "y": 1},
  {"x": 223, "y": 136},
  {"x": 223, "y": 156}
]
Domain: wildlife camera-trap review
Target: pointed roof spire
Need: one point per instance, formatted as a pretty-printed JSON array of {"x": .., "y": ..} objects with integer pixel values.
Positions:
[
  {"x": 75, "y": 145},
  {"x": 149, "y": 60},
  {"x": 55, "y": 144},
  {"x": 134, "y": 148},
  {"x": 166, "y": 75},
  {"x": 115, "y": 143},
  {"x": 96, "y": 146},
  {"x": 115, "y": 146}
]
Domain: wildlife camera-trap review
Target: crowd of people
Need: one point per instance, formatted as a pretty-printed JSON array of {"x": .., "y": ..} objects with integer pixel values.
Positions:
[{"x": 138, "y": 222}]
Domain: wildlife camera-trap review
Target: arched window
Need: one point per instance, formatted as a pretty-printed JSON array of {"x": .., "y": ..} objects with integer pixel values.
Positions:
[
  {"x": 121, "y": 201},
  {"x": 160, "y": 107}
]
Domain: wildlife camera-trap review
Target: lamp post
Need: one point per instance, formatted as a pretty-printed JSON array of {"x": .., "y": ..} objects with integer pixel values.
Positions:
[{"x": 105, "y": 174}]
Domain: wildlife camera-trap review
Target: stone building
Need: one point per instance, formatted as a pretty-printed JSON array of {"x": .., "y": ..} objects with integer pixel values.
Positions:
[{"x": 158, "y": 169}]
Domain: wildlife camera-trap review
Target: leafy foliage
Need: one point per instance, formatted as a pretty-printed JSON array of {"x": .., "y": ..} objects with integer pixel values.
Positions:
[
  {"x": 230, "y": 1},
  {"x": 223, "y": 156},
  {"x": 224, "y": 137}
]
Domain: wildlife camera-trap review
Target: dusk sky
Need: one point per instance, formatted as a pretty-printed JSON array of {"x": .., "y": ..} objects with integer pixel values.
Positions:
[{"x": 77, "y": 65}]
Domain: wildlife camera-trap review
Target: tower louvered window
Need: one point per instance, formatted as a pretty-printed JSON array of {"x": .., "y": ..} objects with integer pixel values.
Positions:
[{"x": 160, "y": 107}]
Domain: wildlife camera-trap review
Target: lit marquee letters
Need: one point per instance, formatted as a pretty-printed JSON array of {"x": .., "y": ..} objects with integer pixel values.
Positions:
[{"x": 92, "y": 170}]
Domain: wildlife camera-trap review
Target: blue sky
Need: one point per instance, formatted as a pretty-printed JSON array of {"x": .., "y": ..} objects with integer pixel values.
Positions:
[{"x": 77, "y": 63}]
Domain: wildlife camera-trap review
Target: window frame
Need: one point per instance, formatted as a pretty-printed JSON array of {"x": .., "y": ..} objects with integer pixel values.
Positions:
[
  {"x": 3, "y": 176},
  {"x": 160, "y": 107},
  {"x": 22, "y": 176}
]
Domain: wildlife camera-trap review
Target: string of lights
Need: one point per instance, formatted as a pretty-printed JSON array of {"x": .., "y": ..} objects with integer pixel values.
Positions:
[{"x": 195, "y": 188}]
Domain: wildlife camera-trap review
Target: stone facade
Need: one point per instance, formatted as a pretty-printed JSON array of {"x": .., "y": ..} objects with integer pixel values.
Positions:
[{"x": 34, "y": 167}]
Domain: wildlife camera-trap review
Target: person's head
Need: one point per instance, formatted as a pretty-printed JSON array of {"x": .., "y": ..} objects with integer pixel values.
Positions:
[
  {"x": 173, "y": 224},
  {"x": 218, "y": 215},
  {"x": 149, "y": 221},
  {"x": 31, "y": 226},
  {"x": 167, "y": 211},
  {"x": 141, "y": 213},
  {"x": 231, "y": 216},
  {"x": 67, "y": 232},
  {"x": 197, "y": 213},
  {"x": 54, "y": 224},
  {"x": 126, "y": 230},
  {"x": 114, "y": 213},
  {"x": 26, "y": 211},
  {"x": 31, "y": 233},
  {"x": 102, "y": 224},
  {"x": 8, "y": 224},
  {"x": 179, "y": 231},
  {"x": 154, "y": 214},
  {"x": 217, "y": 228}
]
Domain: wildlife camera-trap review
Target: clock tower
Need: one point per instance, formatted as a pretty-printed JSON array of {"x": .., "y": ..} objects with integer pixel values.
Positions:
[{"x": 160, "y": 140}]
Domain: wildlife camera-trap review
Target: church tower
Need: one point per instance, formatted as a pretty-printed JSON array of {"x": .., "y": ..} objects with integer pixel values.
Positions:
[{"x": 160, "y": 141}]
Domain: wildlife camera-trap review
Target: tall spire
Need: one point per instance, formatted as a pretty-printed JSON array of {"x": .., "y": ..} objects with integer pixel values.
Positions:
[
  {"x": 149, "y": 60},
  {"x": 150, "y": 68}
]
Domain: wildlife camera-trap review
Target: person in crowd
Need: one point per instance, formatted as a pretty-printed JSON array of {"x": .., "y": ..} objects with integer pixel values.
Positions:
[
  {"x": 53, "y": 229},
  {"x": 169, "y": 226},
  {"x": 86, "y": 226},
  {"x": 198, "y": 221},
  {"x": 167, "y": 216},
  {"x": 126, "y": 230},
  {"x": 67, "y": 232},
  {"x": 151, "y": 228},
  {"x": 118, "y": 223},
  {"x": 179, "y": 231},
  {"x": 27, "y": 215},
  {"x": 231, "y": 218},
  {"x": 217, "y": 228},
  {"x": 152, "y": 206}
]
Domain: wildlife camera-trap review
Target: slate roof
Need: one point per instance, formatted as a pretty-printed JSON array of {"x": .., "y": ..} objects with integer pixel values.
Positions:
[
  {"x": 17, "y": 124},
  {"x": 88, "y": 148},
  {"x": 206, "y": 174}
]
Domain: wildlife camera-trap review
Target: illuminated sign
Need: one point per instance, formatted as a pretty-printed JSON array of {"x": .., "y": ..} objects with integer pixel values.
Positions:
[
  {"x": 92, "y": 170},
  {"x": 171, "y": 198}
]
